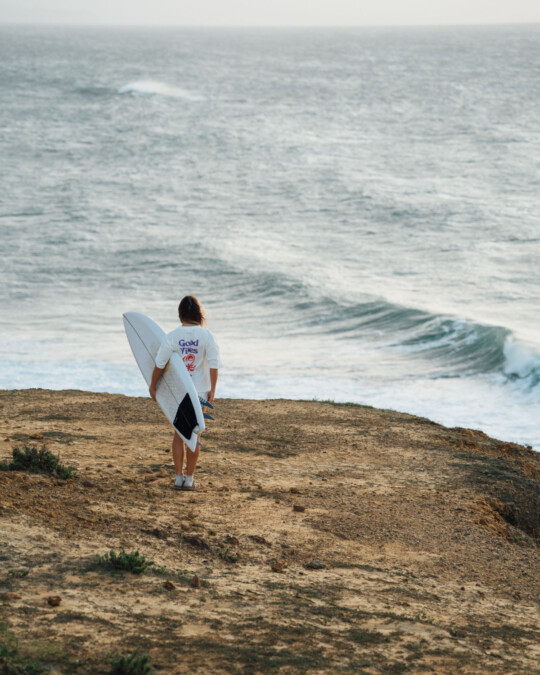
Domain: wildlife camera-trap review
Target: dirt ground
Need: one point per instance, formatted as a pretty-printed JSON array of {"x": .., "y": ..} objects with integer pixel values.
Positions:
[{"x": 323, "y": 538}]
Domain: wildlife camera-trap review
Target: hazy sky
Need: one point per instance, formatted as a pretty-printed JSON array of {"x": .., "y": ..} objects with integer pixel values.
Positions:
[{"x": 270, "y": 12}]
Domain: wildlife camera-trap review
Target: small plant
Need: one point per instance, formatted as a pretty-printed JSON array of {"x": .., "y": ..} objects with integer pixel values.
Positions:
[
  {"x": 159, "y": 571},
  {"x": 131, "y": 665},
  {"x": 18, "y": 574},
  {"x": 226, "y": 554},
  {"x": 37, "y": 460},
  {"x": 136, "y": 563},
  {"x": 424, "y": 618}
]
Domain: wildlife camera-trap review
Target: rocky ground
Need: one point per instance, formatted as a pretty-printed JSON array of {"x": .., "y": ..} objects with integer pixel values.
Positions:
[{"x": 323, "y": 539}]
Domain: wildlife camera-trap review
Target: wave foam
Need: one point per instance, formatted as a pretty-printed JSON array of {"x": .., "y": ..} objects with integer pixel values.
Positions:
[
  {"x": 151, "y": 87},
  {"x": 522, "y": 363}
]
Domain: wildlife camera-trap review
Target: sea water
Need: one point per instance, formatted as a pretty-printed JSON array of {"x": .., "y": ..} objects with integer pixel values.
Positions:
[{"x": 357, "y": 209}]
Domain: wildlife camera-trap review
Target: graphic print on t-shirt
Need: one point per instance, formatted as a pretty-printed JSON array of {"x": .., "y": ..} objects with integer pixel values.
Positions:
[
  {"x": 189, "y": 360},
  {"x": 188, "y": 349}
]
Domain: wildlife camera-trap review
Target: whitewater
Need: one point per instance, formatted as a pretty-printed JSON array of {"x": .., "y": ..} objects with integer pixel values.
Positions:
[{"x": 358, "y": 210}]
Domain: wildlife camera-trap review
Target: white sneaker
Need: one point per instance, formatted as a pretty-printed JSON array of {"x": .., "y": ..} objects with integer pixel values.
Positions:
[
  {"x": 189, "y": 483},
  {"x": 179, "y": 482}
]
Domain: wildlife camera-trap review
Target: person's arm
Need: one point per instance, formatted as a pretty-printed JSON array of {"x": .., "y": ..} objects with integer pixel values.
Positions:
[
  {"x": 158, "y": 372},
  {"x": 162, "y": 357},
  {"x": 214, "y": 362},
  {"x": 213, "y": 382}
]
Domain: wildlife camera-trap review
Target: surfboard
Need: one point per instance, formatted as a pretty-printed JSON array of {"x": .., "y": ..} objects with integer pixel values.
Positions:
[{"x": 175, "y": 391}]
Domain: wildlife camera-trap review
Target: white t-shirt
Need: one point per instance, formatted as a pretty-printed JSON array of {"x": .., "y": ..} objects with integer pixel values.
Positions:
[{"x": 198, "y": 349}]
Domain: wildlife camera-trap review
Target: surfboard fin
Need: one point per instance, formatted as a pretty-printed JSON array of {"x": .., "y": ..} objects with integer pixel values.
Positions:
[
  {"x": 205, "y": 403},
  {"x": 208, "y": 417}
]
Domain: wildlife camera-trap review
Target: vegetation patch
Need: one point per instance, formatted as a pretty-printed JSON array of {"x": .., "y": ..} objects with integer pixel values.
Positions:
[
  {"x": 134, "y": 664},
  {"x": 37, "y": 460},
  {"x": 227, "y": 554},
  {"x": 136, "y": 563},
  {"x": 519, "y": 496},
  {"x": 8, "y": 649},
  {"x": 30, "y": 658}
]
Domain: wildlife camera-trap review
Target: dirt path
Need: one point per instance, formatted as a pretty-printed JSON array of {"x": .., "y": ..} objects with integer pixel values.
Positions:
[{"x": 329, "y": 538}]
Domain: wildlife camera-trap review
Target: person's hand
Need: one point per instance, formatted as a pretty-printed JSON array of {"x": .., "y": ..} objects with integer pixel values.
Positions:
[
  {"x": 211, "y": 396},
  {"x": 152, "y": 391}
]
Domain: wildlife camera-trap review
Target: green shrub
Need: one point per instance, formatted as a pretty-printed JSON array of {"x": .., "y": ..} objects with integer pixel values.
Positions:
[
  {"x": 225, "y": 553},
  {"x": 131, "y": 665},
  {"x": 128, "y": 562},
  {"x": 37, "y": 460}
]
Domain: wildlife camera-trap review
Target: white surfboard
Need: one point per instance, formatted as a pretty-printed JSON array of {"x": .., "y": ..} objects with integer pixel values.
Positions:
[{"x": 175, "y": 391}]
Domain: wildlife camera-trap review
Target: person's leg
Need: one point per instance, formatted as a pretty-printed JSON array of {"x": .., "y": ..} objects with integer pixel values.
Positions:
[
  {"x": 178, "y": 454},
  {"x": 192, "y": 458},
  {"x": 191, "y": 463}
]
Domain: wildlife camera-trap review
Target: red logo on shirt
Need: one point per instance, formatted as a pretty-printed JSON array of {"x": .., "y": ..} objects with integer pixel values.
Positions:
[{"x": 189, "y": 360}]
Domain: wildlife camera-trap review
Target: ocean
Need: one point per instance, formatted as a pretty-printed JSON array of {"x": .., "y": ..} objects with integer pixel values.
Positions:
[{"x": 357, "y": 209}]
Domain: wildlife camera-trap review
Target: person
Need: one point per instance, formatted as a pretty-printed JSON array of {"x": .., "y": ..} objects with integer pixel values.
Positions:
[{"x": 199, "y": 351}]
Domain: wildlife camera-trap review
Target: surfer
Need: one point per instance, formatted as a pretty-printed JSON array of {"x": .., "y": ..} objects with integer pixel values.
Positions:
[{"x": 199, "y": 351}]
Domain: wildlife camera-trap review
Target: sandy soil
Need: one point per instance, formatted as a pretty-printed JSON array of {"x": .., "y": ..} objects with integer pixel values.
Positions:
[{"x": 327, "y": 538}]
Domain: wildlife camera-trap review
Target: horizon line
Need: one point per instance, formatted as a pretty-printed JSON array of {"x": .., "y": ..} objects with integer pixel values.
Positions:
[{"x": 61, "y": 24}]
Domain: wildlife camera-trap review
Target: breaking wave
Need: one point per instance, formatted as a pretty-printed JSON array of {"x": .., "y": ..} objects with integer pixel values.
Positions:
[
  {"x": 151, "y": 87},
  {"x": 447, "y": 346},
  {"x": 522, "y": 363},
  {"x": 451, "y": 346}
]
